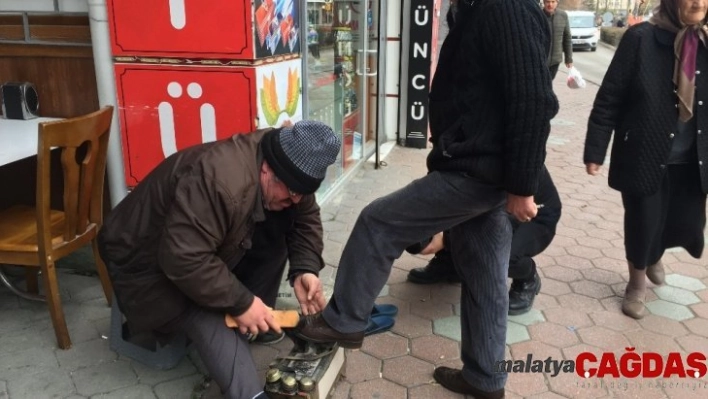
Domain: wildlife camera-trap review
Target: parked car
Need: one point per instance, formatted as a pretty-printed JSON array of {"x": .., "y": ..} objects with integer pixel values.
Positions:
[{"x": 584, "y": 32}]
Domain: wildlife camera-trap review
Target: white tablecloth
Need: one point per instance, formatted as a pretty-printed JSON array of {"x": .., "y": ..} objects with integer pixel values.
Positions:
[{"x": 18, "y": 138}]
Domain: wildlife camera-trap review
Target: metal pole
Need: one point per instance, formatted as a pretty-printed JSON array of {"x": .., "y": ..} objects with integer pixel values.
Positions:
[{"x": 103, "y": 62}]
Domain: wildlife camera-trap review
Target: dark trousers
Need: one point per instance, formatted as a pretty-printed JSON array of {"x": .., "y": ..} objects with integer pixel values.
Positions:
[
  {"x": 480, "y": 238},
  {"x": 529, "y": 240},
  {"x": 225, "y": 353},
  {"x": 553, "y": 69},
  {"x": 261, "y": 268}
]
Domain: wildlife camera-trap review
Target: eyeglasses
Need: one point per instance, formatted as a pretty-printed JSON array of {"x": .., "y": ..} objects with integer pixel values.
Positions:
[{"x": 290, "y": 192}]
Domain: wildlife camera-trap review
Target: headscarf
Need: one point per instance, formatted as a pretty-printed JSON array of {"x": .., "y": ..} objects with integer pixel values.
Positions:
[{"x": 666, "y": 16}]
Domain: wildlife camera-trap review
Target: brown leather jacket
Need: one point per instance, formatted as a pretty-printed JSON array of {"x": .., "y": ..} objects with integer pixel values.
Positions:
[{"x": 174, "y": 239}]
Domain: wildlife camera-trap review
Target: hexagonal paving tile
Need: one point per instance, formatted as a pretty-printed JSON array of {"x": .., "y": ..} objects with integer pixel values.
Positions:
[
  {"x": 553, "y": 334},
  {"x": 646, "y": 341},
  {"x": 435, "y": 349},
  {"x": 698, "y": 326},
  {"x": 432, "y": 391},
  {"x": 661, "y": 325},
  {"x": 432, "y": 310},
  {"x": 536, "y": 350},
  {"x": 361, "y": 367},
  {"x": 411, "y": 326},
  {"x": 526, "y": 384},
  {"x": 385, "y": 346},
  {"x": 581, "y": 303},
  {"x": 516, "y": 333},
  {"x": 669, "y": 310},
  {"x": 602, "y": 276},
  {"x": 533, "y": 316},
  {"x": 592, "y": 289},
  {"x": 688, "y": 283},
  {"x": 410, "y": 292},
  {"x": 568, "y": 318},
  {"x": 407, "y": 371},
  {"x": 604, "y": 338},
  {"x": 676, "y": 295},
  {"x": 562, "y": 273},
  {"x": 449, "y": 327},
  {"x": 379, "y": 388}
]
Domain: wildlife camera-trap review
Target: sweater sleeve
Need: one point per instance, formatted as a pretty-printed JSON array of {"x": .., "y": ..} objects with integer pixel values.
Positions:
[
  {"x": 613, "y": 93},
  {"x": 517, "y": 39},
  {"x": 567, "y": 42}
]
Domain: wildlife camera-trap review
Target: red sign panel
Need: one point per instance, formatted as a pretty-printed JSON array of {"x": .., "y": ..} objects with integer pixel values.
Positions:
[
  {"x": 182, "y": 28},
  {"x": 164, "y": 109}
]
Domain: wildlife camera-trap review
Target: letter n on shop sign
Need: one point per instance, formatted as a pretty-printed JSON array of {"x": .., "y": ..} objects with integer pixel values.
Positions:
[{"x": 419, "y": 56}]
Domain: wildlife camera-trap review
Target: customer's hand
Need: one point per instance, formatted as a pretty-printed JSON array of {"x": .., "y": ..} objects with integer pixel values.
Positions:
[
  {"x": 522, "y": 208},
  {"x": 435, "y": 245},
  {"x": 592, "y": 168},
  {"x": 308, "y": 291},
  {"x": 257, "y": 318},
  {"x": 568, "y": 65}
]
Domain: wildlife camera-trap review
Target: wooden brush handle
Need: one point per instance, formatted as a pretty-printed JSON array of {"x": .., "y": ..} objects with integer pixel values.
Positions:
[{"x": 285, "y": 318}]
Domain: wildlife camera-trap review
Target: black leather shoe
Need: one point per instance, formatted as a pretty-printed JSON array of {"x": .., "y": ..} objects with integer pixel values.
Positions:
[
  {"x": 315, "y": 329},
  {"x": 452, "y": 380},
  {"x": 522, "y": 294},
  {"x": 439, "y": 269},
  {"x": 268, "y": 338}
]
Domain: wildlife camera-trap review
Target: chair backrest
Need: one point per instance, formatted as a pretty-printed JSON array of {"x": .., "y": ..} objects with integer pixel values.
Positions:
[{"x": 83, "y": 142}]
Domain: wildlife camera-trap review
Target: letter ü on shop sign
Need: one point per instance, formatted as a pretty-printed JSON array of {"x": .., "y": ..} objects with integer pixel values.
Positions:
[{"x": 628, "y": 365}]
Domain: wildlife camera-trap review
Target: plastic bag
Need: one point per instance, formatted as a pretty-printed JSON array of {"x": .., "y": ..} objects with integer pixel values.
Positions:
[{"x": 575, "y": 79}]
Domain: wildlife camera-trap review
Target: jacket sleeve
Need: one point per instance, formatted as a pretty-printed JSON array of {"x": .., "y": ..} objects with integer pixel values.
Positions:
[
  {"x": 517, "y": 39},
  {"x": 196, "y": 225},
  {"x": 567, "y": 42},
  {"x": 304, "y": 240},
  {"x": 613, "y": 93}
]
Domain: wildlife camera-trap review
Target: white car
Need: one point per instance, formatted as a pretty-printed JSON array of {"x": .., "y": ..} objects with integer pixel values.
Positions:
[{"x": 584, "y": 32}]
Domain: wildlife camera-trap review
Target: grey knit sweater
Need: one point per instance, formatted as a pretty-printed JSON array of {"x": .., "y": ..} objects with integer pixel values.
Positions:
[{"x": 491, "y": 100}]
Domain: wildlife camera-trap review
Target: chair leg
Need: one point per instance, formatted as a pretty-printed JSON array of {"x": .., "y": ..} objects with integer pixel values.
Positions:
[
  {"x": 51, "y": 287},
  {"x": 32, "y": 282},
  {"x": 102, "y": 273}
]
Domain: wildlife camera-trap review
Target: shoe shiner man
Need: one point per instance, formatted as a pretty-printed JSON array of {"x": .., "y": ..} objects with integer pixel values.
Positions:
[{"x": 170, "y": 244}]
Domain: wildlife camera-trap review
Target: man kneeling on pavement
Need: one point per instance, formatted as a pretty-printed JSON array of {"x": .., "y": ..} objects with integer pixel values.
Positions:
[
  {"x": 529, "y": 240},
  {"x": 171, "y": 245}
]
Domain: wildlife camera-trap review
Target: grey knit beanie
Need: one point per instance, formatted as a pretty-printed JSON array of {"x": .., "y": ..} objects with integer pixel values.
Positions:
[{"x": 299, "y": 155}]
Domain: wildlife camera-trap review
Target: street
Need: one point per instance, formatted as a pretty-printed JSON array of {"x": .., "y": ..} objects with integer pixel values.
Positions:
[{"x": 592, "y": 64}]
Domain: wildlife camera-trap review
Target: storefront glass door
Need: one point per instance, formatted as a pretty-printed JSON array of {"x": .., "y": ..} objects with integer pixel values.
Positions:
[{"x": 342, "y": 75}]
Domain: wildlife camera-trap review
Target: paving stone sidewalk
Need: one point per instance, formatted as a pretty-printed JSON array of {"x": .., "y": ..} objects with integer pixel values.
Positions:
[{"x": 583, "y": 274}]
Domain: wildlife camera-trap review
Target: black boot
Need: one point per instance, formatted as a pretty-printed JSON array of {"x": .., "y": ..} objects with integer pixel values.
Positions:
[
  {"x": 522, "y": 294},
  {"x": 439, "y": 269}
]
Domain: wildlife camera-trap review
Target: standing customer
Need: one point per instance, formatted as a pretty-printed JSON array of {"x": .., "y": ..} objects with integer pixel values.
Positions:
[
  {"x": 528, "y": 240},
  {"x": 653, "y": 97},
  {"x": 490, "y": 109},
  {"x": 561, "y": 42}
]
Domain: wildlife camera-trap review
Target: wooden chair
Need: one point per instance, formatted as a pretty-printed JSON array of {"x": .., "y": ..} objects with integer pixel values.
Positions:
[{"x": 36, "y": 237}]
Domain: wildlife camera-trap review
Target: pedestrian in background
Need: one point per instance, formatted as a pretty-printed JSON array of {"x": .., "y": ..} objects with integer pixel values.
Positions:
[
  {"x": 561, "y": 41},
  {"x": 490, "y": 109},
  {"x": 653, "y": 97}
]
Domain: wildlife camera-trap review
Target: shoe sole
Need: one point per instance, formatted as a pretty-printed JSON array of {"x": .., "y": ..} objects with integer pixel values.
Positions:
[
  {"x": 273, "y": 342},
  {"x": 343, "y": 344}
]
